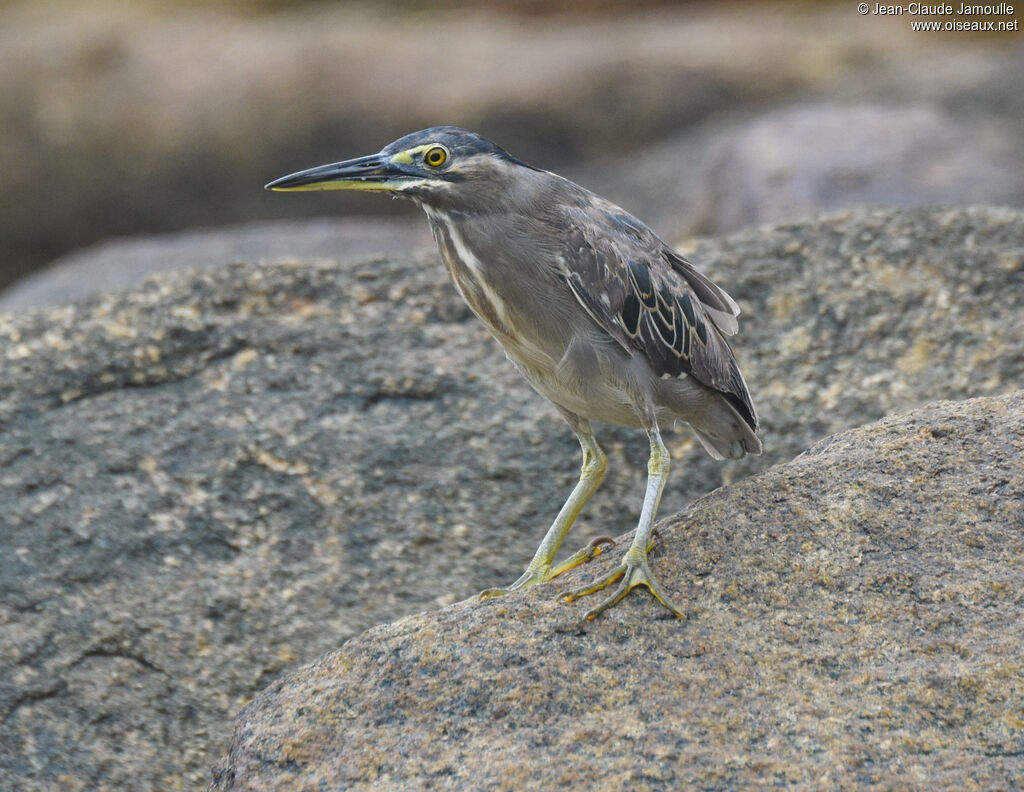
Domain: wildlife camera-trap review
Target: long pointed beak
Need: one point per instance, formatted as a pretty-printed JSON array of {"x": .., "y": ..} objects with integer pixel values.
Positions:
[{"x": 376, "y": 172}]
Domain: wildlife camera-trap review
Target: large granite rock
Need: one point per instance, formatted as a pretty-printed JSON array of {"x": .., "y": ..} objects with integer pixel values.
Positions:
[
  {"x": 215, "y": 477},
  {"x": 854, "y": 623}
]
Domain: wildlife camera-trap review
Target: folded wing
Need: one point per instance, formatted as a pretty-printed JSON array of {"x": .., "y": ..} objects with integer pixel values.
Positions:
[{"x": 653, "y": 301}]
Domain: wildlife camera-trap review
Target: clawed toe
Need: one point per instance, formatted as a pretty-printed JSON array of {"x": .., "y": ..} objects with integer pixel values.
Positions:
[
  {"x": 632, "y": 572},
  {"x": 531, "y": 577}
]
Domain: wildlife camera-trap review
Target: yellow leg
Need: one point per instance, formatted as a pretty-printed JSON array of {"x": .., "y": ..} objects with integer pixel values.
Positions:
[
  {"x": 634, "y": 570},
  {"x": 540, "y": 568}
]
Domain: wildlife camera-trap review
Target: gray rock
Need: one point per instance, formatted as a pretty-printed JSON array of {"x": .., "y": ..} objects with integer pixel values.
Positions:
[
  {"x": 818, "y": 158},
  {"x": 123, "y": 263},
  {"x": 815, "y": 157},
  {"x": 854, "y": 623},
  {"x": 217, "y": 476}
]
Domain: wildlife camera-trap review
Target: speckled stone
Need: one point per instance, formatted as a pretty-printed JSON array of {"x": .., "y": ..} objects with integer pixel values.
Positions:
[
  {"x": 854, "y": 623},
  {"x": 214, "y": 478}
]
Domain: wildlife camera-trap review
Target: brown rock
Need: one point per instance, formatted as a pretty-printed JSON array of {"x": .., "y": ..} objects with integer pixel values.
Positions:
[{"x": 854, "y": 622}]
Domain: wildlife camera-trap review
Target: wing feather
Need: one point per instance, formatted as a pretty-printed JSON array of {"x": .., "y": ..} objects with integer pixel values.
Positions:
[{"x": 653, "y": 301}]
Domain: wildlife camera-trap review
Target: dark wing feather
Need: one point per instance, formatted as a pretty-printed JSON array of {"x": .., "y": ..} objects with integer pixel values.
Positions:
[
  {"x": 718, "y": 305},
  {"x": 651, "y": 300}
]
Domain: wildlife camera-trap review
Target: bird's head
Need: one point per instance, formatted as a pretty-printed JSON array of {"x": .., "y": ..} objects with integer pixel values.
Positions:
[{"x": 441, "y": 167}]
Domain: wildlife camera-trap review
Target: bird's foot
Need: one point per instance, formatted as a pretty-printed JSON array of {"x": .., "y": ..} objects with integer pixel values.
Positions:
[
  {"x": 541, "y": 574},
  {"x": 634, "y": 571}
]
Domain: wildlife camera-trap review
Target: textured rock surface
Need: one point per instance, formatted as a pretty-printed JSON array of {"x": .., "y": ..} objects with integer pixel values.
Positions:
[
  {"x": 214, "y": 478},
  {"x": 855, "y": 622}
]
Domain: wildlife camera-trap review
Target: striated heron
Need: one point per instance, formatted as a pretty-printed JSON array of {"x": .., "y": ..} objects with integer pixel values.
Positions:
[{"x": 602, "y": 318}]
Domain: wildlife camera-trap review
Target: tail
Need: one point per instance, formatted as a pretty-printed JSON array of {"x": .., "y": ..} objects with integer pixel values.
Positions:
[{"x": 724, "y": 433}]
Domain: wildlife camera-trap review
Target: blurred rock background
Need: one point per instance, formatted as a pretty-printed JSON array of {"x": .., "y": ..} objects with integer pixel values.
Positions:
[{"x": 126, "y": 118}]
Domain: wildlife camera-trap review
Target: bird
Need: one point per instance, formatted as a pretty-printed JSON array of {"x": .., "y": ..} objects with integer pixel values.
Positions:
[{"x": 602, "y": 318}]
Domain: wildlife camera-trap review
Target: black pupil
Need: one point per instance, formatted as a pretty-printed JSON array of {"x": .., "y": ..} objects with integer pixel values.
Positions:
[{"x": 435, "y": 156}]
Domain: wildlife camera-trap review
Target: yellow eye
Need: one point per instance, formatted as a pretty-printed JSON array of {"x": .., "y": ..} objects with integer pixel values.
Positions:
[{"x": 436, "y": 157}]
